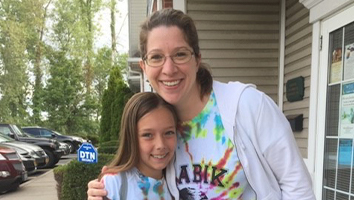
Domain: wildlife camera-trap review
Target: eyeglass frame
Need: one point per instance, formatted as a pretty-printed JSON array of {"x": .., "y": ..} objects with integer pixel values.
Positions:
[{"x": 164, "y": 59}]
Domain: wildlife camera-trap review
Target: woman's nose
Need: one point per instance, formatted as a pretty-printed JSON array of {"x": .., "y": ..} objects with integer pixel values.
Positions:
[{"x": 169, "y": 67}]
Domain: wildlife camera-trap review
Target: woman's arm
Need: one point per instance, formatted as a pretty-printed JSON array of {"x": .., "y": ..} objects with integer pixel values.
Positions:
[{"x": 282, "y": 153}]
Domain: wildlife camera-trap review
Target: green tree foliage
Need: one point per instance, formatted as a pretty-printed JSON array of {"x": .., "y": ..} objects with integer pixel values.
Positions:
[
  {"x": 113, "y": 103},
  {"x": 51, "y": 74},
  {"x": 35, "y": 45},
  {"x": 13, "y": 76},
  {"x": 64, "y": 96}
]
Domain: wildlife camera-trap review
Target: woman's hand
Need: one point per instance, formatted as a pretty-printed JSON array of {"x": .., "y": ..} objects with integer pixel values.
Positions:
[{"x": 96, "y": 189}]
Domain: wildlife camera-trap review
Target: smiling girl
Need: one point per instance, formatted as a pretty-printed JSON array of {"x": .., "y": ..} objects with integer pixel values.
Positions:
[{"x": 147, "y": 144}]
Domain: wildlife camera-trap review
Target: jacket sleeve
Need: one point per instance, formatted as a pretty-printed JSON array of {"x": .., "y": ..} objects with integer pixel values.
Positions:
[
  {"x": 281, "y": 152},
  {"x": 112, "y": 184}
]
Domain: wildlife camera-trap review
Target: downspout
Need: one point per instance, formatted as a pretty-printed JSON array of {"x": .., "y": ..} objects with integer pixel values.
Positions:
[{"x": 281, "y": 55}]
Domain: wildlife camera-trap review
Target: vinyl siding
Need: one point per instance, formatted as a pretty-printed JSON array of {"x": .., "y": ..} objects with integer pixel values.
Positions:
[
  {"x": 298, "y": 39},
  {"x": 239, "y": 39},
  {"x": 137, "y": 14}
]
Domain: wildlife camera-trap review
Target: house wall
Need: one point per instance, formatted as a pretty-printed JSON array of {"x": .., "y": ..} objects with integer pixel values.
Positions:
[
  {"x": 298, "y": 40},
  {"x": 137, "y": 14},
  {"x": 239, "y": 39}
]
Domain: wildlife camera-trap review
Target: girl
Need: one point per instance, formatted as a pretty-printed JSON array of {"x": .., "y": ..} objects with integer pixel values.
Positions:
[{"x": 147, "y": 144}]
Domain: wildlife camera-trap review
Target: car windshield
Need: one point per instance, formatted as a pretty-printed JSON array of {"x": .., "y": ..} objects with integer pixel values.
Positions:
[
  {"x": 4, "y": 138},
  {"x": 19, "y": 131}
]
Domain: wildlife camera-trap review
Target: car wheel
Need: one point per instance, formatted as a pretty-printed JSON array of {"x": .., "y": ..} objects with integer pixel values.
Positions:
[
  {"x": 71, "y": 147},
  {"x": 52, "y": 159}
]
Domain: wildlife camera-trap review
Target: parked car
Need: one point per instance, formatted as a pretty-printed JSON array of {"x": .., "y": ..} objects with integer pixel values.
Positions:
[
  {"x": 65, "y": 147},
  {"x": 50, "y": 146},
  {"x": 25, "y": 150},
  {"x": 28, "y": 161},
  {"x": 12, "y": 170},
  {"x": 73, "y": 141}
]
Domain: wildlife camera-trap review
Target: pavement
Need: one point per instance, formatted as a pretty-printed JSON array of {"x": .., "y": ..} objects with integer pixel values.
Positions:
[{"x": 41, "y": 187}]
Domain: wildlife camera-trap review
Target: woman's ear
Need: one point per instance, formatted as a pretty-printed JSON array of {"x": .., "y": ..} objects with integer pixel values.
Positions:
[
  {"x": 198, "y": 58},
  {"x": 142, "y": 65}
]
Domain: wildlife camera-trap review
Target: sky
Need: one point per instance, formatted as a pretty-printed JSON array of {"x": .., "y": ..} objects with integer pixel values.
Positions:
[{"x": 104, "y": 19}]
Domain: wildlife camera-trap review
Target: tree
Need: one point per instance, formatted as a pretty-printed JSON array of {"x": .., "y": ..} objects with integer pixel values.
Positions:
[
  {"x": 102, "y": 67},
  {"x": 64, "y": 98},
  {"x": 113, "y": 102},
  {"x": 13, "y": 58},
  {"x": 64, "y": 95},
  {"x": 113, "y": 30},
  {"x": 35, "y": 25},
  {"x": 88, "y": 9}
]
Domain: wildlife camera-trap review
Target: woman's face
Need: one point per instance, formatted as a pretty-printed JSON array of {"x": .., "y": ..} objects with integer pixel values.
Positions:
[{"x": 176, "y": 83}]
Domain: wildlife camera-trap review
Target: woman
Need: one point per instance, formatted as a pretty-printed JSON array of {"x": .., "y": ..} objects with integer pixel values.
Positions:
[{"x": 234, "y": 142}]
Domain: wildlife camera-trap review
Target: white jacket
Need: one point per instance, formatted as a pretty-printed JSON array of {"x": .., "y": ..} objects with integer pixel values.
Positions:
[{"x": 264, "y": 141}]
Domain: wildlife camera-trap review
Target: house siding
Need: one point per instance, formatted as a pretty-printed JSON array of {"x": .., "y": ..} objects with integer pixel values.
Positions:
[
  {"x": 298, "y": 40},
  {"x": 137, "y": 14},
  {"x": 239, "y": 39}
]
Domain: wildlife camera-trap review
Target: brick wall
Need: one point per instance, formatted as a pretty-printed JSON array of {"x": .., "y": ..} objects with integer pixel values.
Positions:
[{"x": 167, "y": 4}]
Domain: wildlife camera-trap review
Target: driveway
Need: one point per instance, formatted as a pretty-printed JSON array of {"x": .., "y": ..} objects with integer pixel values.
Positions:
[{"x": 40, "y": 186}]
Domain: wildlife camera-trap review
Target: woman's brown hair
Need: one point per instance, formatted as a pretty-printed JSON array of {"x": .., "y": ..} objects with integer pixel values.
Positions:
[
  {"x": 170, "y": 17},
  {"x": 139, "y": 105}
]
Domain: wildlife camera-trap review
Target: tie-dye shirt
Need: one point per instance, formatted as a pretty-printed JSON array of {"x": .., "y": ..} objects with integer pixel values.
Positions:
[
  {"x": 207, "y": 165},
  {"x": 139, "y": 187}
]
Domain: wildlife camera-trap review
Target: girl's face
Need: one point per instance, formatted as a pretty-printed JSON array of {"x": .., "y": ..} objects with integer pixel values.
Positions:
[
  {"x": 176, "y": 83},
  {"x": 157, "y": 141}
]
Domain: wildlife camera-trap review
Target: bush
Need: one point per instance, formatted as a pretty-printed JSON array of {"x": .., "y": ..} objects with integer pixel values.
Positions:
[
  {"x": 109, "y": 147},
  {"x": 94, "y": 139},
  {"x": 72, "y": 179},
  {"x": 107, "y": 150},
  {"x": 112, "y": 143}
]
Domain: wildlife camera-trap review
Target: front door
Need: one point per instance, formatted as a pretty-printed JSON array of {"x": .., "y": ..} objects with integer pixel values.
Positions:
[{"x": 337, "y": 65}]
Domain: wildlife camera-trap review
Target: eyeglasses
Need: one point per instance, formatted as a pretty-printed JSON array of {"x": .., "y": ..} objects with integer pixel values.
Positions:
[{"x": 158, "y": 59}]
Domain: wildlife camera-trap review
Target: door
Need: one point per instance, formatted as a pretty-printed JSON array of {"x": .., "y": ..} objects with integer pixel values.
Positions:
[{"x": 337, "y": 100}]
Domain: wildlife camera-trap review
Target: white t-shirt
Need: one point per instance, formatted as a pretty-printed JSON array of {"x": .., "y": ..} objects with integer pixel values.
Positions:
[
  {"x": 139, "y": 187},
  {"x": 207, "y": 165}
]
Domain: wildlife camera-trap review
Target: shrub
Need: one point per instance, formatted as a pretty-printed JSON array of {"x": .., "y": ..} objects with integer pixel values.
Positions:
[
  {"x": 109, "y": 147},
  {"x": 94, "y": 139},
  {"x": 112, "y": 143},
  {"x": 72, "y": 178}
]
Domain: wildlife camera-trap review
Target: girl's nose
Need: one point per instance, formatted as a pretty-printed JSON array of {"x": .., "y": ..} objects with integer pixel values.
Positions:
[{"x": 160, "y": 142}]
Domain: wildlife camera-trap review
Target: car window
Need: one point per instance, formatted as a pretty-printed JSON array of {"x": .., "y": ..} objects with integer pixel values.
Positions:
[
  {"x": 46, "y": 133},
  {"x": 5, "y": 130},
  {"x": 32, "y": 131}
]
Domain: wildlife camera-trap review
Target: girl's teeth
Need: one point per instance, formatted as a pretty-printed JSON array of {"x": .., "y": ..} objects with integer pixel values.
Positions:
[{"x": 155, "y": 156}]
